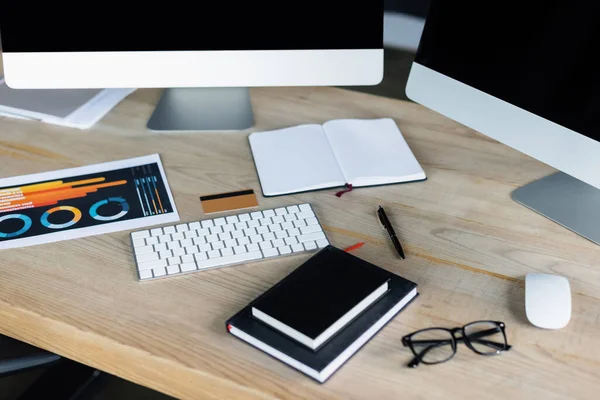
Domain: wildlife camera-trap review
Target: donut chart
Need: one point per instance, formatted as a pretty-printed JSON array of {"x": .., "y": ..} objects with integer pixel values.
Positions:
[
  {"x": 124, "y": 209},
  {"x": 47, "y": 224},
  {"x": 26, "y": 225}
]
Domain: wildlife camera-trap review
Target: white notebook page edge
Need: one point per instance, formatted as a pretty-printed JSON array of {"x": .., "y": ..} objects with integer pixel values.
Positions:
[
  {"x": 372, "y": 152},
  {"x": 295, "y": 159}
]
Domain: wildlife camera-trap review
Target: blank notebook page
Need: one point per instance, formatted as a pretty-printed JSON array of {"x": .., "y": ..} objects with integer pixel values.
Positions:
[
  {"x": 372, "y": 152},
  {"x": 294, "y": 160}
]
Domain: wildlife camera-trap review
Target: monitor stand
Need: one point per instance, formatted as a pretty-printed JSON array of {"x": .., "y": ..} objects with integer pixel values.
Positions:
[
  {"x": 203, "y": 109},
  {"x": 566, "y": 201}
]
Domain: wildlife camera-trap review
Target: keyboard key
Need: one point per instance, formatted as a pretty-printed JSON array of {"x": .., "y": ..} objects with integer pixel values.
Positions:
[
  {"x": 293, "y": 209},
  {"x": 212, "y": 238},
  {"x": 190, "y": 234},
  {"x": 208, "y": 223},
  {"x": 188, "y": 258},
  {"x": 164, "y": 238},
  {"x": 173, "y": 269},
  {"x": 310, "y": 229},
  {"x": 165, "y": 254},
  {"x": 174, "y": 260},
  {"x": 144, "y": 250},
  {"x": 163, "y": 246},
  {"x": 268, "y": 236},
  {"x": 239, "y": 249},
  {"x": 290, "y": 217},
  {"x": 265, "y": 222},
  {"x": 139, "y": 242},
  {"x": 203, "y": 232},
  {"x": 310, "y": 245},
  {"x": 296, "y": 248},
  {"x": 278, "y": 243},
  {"x": 256, "y": 215},
  {"x": 243, "y": 240},
  {"x": 187, "y": 243},
  {"x": 188, "y": 267},
  {"x": 253, "y": 223},
  {"x": 270, "y": 252},
  {"x": 241, "y": 226},
  {"x": 278, "y": 219},
  {"x": 178, "y": 236},
  {"x": 262, "y": 229},
  {"x": 194, "y": 226},
  {"x": 204, "y": 247},
  {"x": 252, "y": 247},
  {"x": 152, "y": 240},
  {"x": 218, "y": 245},
  {"x": 285, "y": 250},
  {"x": 256, "y": 238},
  {"x": 265, "y": 245},
  {"x": 322, "y": 243},
  {"x": 290, "y": 241},
  {"x": 311, "y": 236},
  {"x": 182, "y": 228},
  {"x": 304, "y": 207},
  {"x": 280, "y": 211},
  {"x": 215, "y": 230},
  {"x": 172, "y": 245},
  {"x": 287, "y": 225},
  {"x": 140, "y": 235},
  {"x": 311, "y": 221},
  {"x": 274, "y": 227},
  {"x": 191, "y": 250},
  {"x": 244, "y": 217},
  {"x": 234, "y": 259},
  {"x": 220, "y": 221},
  {"x": 161, "y": 271},
  {"x": 228, "y": 227},
  {"x": 249, "y": 232},
  {"x": 141, "y": 258},
  {"x": 227, "y": 252},
  {"x": 179, "y": 252},
  {"x": 224, "y": 236},
  {"x": 237, "y": 234},
  {"x": 199, "y": 240},
  {"x": 156, "y": 232},
  {"x": 146, "y": 274},
  {"x": 230, "y": 243},
  {"x": 152, "y": 264},
  {"x": 305, "y": 214},
  {"x": 169, "y": 229},
  {"x": 232, "y": 220},
  {"x": 269, "y": 213},
  {"x": 299, "y": 223},
  {"x": 281, "y": 234},
  {"x": 201, "y": 256},
  {"x": 214, "y": 254},
  {"x": 294, "y": 232}
]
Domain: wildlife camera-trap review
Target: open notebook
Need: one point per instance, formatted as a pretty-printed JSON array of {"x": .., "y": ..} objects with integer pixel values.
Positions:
[{"x": 357, "y": 152}]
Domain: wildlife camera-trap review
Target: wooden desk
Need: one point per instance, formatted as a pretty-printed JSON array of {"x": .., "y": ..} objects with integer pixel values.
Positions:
[{"x": 468, "y": 247}]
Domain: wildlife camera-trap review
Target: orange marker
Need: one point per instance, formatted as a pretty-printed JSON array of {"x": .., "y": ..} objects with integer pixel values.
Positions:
[{"x": 354, "y": 247}]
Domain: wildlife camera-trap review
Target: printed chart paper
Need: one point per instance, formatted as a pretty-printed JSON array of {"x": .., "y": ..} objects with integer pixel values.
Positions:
[{"x": 85, "y": 201}]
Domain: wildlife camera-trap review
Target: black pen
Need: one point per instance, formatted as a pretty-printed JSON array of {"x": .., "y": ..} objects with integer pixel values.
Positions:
[{"x": 385, "y": 222}]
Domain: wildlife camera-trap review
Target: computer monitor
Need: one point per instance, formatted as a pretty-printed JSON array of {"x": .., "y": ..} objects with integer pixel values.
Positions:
[
  {"x": 207, "y": 53},
  {"x": 525, "y": 74}
]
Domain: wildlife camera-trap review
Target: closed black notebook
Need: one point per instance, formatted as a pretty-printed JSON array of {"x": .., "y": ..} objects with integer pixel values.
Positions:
[
  {"x": 320, "y": 297},
  {"x": 328, "y": 358}
]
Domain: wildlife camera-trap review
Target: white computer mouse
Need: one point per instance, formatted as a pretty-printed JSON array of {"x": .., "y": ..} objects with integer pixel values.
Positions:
[{"x": 547, "y": 300}]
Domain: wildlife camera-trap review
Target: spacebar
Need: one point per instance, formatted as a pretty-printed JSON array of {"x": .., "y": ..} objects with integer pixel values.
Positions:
[{"x": 228, "y": 260}]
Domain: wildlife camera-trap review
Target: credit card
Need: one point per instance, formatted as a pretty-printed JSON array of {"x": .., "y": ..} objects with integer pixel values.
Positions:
[{"x": 222, "y": 202}]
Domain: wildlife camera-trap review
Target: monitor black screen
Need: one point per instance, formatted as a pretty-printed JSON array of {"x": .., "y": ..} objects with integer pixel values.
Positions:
[
  {"x": 538, "y": 55},
  {"x": 191, "y": 26}
]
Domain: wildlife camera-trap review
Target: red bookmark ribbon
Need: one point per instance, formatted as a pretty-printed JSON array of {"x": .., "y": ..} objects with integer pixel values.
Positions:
[{"x": 348, "y": 189}]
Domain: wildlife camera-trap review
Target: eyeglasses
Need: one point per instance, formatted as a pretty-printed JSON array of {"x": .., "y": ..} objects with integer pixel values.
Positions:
[{"x": 438, "y": 345}]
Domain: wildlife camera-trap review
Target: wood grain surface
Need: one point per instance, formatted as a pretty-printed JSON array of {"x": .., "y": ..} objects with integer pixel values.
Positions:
[{"x": 468, "y": 247}]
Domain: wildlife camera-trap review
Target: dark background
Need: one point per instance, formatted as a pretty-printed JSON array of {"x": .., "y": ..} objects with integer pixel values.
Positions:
[
  {"x": 179, "y": 25},
  {"x": 510, "y": 50}
]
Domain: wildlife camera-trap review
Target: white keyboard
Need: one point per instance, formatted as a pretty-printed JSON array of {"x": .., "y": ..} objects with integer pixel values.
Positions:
[{"x": 220, "y": 242}]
